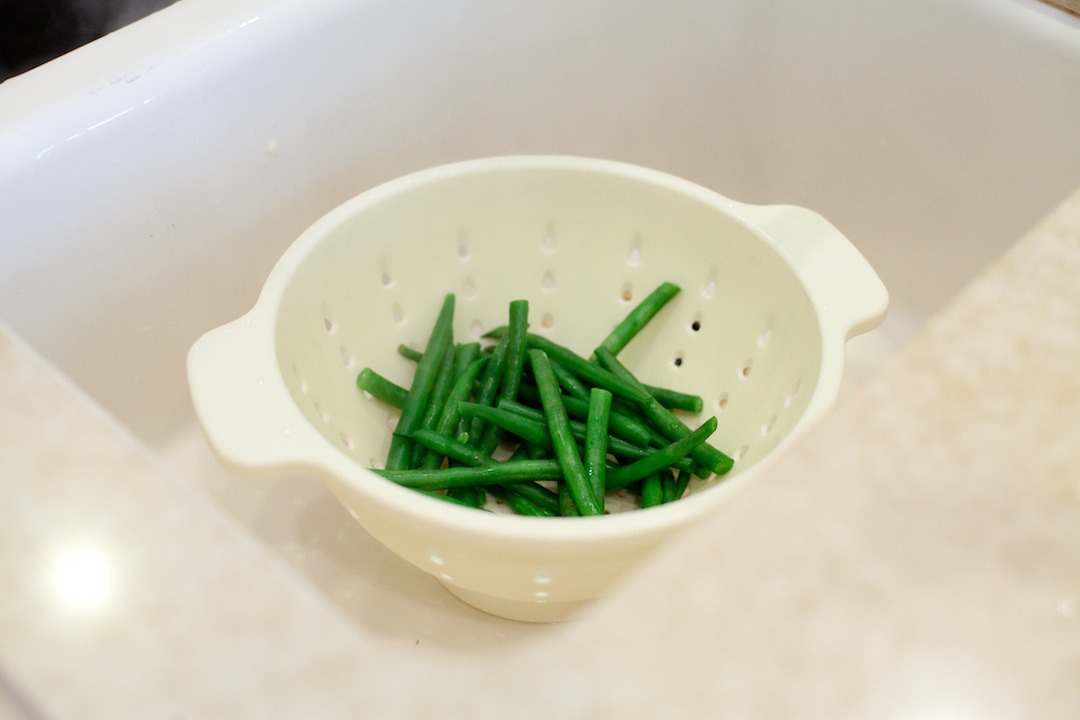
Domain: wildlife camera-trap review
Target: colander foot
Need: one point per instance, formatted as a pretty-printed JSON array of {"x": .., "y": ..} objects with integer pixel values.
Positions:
[{"x": 524, "y": 610}]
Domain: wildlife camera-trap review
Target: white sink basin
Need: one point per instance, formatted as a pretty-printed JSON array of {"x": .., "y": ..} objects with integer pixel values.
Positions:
[{"x": 149, "y": 181}]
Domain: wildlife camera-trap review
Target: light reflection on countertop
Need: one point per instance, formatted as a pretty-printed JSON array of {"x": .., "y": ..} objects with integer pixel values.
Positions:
[{"x": 81, "y": 575}]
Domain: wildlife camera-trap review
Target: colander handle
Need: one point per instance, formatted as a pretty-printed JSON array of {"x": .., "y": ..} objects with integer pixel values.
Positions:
[
  {"x": 849, "y": 295},
  {"x": 242, "y": 403}
]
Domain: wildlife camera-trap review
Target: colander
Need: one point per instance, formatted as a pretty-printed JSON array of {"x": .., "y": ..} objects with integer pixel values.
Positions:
[{"x": 769, "y": 296}]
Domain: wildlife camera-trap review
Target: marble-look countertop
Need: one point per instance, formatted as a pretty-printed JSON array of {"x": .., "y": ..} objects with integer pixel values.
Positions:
[{"x": 916, "y": 556}]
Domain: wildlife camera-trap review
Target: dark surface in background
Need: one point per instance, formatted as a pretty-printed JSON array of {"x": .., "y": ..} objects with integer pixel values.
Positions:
[{"x": 33, "y": 32}]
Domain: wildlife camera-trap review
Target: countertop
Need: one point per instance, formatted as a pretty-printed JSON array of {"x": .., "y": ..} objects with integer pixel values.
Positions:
[{"x": 917, "y": 555}]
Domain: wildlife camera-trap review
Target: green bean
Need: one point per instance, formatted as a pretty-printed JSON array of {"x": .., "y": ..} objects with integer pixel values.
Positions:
[
  {"x": 472, "y": 457},
  {"x": 517, "y": 331},
  {"x": 380, "y": 388},
  {"x": 488, "y": 388},
  {"x": 665, "y": 421},
  {"x": 590, "y": 372},
  {"x": 495, "y": 474},
  {"x": 518, "y": 502},
  {"x": 513, "y": 362},
  {"x": 537, "y": 494},
  {"x": 674, "y": 399},
  {"x": 448, "y": 420},
  {"x": 419, "y": 394},
  {"x": 569, "y": 383},
  {"x": 449, "y": 497},
  {"x": 464, "y": 355},
  {"x": 526, "y": 428},
  {"x": 640, "y": 469},
  {"x": 440, "y": 390},
  {"x": 639, "y": 317},
  {"x": 652, "y": 493},
  {"x": 667, "y": 484},
  {"x": 596, "y": 439},
  {"x": 567, "y": 507},
  {"x": 622, "y": 425},
  {"x": 409, "y": 353},
  {"x": 474, "y": 497},
  {"x": 452, "y": 448},
  {"x": 566, "y": 451},
  {"x": 616, "y": 446},
  {"x": 681, "y": 484}
]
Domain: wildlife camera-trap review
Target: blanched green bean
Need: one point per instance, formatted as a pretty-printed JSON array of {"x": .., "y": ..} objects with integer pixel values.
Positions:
[
  {"x": 665, "y": 421},
  {"x": 622, "y": 425},
  {"x": 448, "y": 420},
  {"x": 616, "y": 446},
  {"x": 597, "y": 434},
  {"x": 639, "y": 317},
  {"x": 488, "y": 388},
  {"x": 495, "y": 474},
  {"x": 440, "y": 389},
  {"x": 513, "y": 363},
  {"x": 566, "y": 450},
  {"x": 674, "y": 399},
  {"x": 652, "y": 492},
  {"x": 420, "y": 392},
  {"x": 624, "y": 475},
  {"x": 519, "y": 503},
  {"x": 381, "y": 388},
  {"x": 452, "y": 448},
  {"x": 592, "y": 373}
]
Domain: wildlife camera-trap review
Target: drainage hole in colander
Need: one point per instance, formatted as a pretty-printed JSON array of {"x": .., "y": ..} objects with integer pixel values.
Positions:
[
  {"x": 633, "y": 258},
  {"x": 744, "y": 371},
  {"x": 721, "y": 402},
  {"x": 300, "y": 380},
  {"x": 542, "y": 578},
  {"x": 386, "y": 279},
  {"x": 321, "y": 412},
  {"x": 678, "y": 361},
  {"x": 547, "y": 282},
  {"x": 766, "y": 335},
  {"x": 463, "y": 247},
  {"x": 627, "y": 293},
  {"x": 740, "y": 453},
  {"x": 347, "y": 358},
  {"x": 468, "y": 290},
  {"x": 476, "y": 329},
  {"x": 547, "y": 321},
  {"x": 541, "y": 596},
  {"x": 329, "y": 324},
  {"x": 767, "y": 426},
  {"x": 695, "y": 324},
  {"x": 708, "y": 288},
  {"x": 790, "y": 397},
  {"x": 347, "y": 441},
  {"x": 549, "y": 243},
  {"x": 398, "y": 313}
]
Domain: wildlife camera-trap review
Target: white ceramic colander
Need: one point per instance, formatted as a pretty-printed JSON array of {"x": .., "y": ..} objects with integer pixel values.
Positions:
[{"x": 770, "y": 294}]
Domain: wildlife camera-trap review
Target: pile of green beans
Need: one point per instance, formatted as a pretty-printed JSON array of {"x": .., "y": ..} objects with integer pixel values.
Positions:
[{"x": 533, "y": 424}]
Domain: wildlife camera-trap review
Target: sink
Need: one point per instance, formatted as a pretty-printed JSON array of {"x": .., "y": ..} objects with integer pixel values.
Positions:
[{"x": 150, "y": 180}]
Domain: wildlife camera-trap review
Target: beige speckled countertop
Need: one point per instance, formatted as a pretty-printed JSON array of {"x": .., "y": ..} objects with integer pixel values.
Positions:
[{"x": 916, "y": 556}]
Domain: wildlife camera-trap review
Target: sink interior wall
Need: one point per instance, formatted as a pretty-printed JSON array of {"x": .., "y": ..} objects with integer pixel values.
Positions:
[{"x": 149, "y": 206}]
